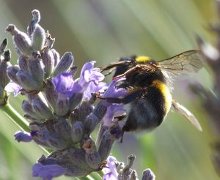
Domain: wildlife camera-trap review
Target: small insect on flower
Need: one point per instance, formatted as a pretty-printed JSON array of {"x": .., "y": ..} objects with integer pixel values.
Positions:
[{"x": 148, "y": 88}]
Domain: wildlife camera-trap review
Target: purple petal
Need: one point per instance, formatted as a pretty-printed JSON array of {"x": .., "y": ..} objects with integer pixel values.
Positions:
[
  {"x": 113, "y": 91},
  {"x": 109, "y": 176},
  {"x": 13, "y": 88},
  {"x": 23, "y": 136},
  {"x": 110, "y": 172},
  {"x": 77, "y": 88},
  {"x": 47, "y": 172},
  {"x": 63, "y": 82},
  {"x": 93, "y": 88},
  {"x": 89, "y": 73},
  {"x": 113, "y": 110},
  {"x": 93, "y": 75}
]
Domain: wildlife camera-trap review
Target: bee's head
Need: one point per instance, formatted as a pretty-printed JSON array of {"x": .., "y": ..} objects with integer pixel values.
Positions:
[
  {"x": 142, "y": 59},
  {"x": 146, "y": 60}
]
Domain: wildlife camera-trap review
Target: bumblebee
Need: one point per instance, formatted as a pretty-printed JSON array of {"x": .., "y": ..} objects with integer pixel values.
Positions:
[{"x": 149, "y": 88}]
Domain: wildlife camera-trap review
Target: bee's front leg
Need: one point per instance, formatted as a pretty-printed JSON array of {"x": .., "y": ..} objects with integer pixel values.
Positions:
[{"x": 127, "y": 99}]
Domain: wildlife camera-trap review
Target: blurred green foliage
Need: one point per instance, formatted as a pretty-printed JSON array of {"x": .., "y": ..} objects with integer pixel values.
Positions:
[{"x": 104, "y": 31}]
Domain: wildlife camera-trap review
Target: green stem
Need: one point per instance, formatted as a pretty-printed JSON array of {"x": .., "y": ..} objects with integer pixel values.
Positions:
[
  {"x": 100, "y": 173},
  {"x": 96, "y": 175},
  {"x": 86, "y": 178},
  {"x": 15, "y": 117}
]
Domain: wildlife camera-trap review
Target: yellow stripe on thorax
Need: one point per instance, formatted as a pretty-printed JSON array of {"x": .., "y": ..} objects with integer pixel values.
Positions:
[
  {"x": 142, "y": 59},
  {"x": 165, "y": 92}
]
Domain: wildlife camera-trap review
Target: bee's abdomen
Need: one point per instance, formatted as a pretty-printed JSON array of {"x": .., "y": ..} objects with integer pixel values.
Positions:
[{"x": 148, "y": 112}]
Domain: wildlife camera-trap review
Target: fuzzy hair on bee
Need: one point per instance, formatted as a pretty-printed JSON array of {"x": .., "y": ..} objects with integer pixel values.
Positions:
[{"x": 149, "y": 92}]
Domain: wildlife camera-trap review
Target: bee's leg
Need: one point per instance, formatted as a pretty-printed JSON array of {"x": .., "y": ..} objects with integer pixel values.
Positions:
[
  {"x": 138, "y": 68},
  {"x": 125, "y": 100},
  {"x": 109, "y": 72}
]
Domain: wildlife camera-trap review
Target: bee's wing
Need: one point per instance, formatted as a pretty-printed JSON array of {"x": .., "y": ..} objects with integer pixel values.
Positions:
[
  {"x": 187, "y": 114},
  {"x": 185, "y": 62}
]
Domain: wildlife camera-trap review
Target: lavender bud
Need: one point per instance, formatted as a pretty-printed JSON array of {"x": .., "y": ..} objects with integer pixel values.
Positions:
[
  {"x": 35, "y": 20},
  {"x": 100, "y": 110},
  {"x": 102, "y": 130},
  {"x": 21, "y": 40},
  {"x": 31, "y": 118},
  {"x": 56, "y": 56},
  {"x": 63, "y": 128},
  {"x": 73, "y": 159},
  {"x": 106, "y": 139},
  {"x": 36, "y": 15},
  {"x": 23, "y": 63},
  {"x": 37, "y": 135},
  {"x": 47, "y": 135},
  {"x": 64, "y": 64},
  {"x": 92, "y": 156},
  {"x": 105, "y": 145},
  {"x": 51, "y": 94},
  {"x": 4, "y": 80},
  {"x": 38, "y": 38},
  {"x": 56, "y": 142},
  {"x": 26, "y": 81},
  {"x": 148, "y": 175},
  {"x": 93, "y": 119},
  {"x": 48, "y": 60},
  {"x": 28, "y": 109},
  {"x": 40, "y": 107},
  {"x": 7, "y": 55},
  {"x": 84, "y": 110},
  {"x": 11, "y": 72},
  {"x": 47, "y": 171},
  {"x": 75, "y": 100},
  {"x": 36, "y": 70},
  {"x": 26, "y": 106},
  {"x": 23, "y": 136},
  {"x": 38, "y": 35},
  {"x": 90, "y": 123},
  {"x": 77, "y": 131},
  {"x": 127, "y": 172},
  {"x": 62, "y": 106},
  {"x": 3, "y": 46}
]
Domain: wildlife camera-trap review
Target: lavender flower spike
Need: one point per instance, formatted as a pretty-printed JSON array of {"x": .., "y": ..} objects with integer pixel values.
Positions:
[{"x": 63, "y": 111}]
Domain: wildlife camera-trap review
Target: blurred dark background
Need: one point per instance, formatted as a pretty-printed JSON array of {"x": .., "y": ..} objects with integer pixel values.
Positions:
[{"x": 104, "y": 31}]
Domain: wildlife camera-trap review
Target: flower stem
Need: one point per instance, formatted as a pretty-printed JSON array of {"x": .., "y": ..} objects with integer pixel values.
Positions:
[
  {"x": 86, "y": 178},
  {"x": 15, "y": 117},
  {"x": 96, "y": 175}
]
